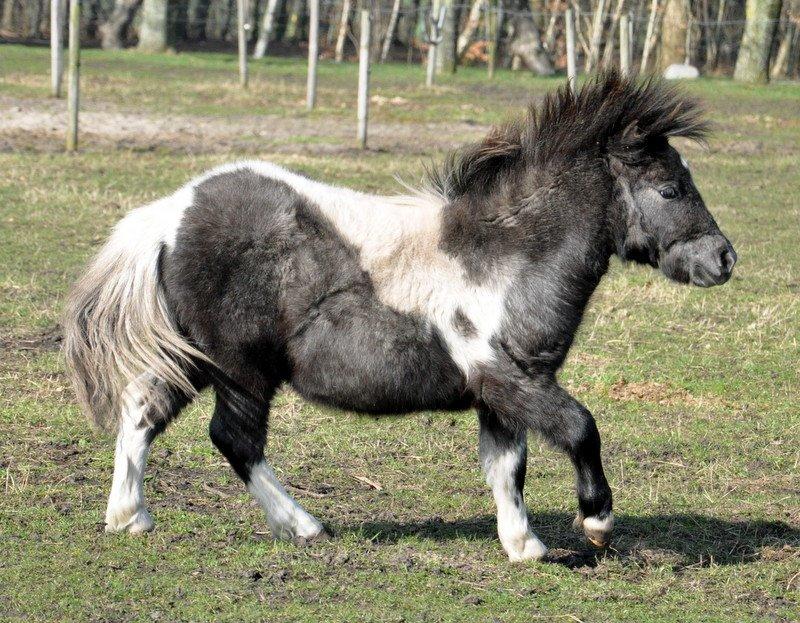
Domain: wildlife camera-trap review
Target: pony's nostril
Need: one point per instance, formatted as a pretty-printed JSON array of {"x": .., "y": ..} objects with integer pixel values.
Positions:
[{"x": 728, "y": 259}]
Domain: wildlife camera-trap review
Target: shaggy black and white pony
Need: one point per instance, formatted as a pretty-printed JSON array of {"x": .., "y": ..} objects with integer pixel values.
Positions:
[{"x": 466, "y": 294}]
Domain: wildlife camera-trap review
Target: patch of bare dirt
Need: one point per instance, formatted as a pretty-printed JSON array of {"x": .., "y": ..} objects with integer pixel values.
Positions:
[
  {"x": 650, "y": 391},
  {"x": 40, "y": 125},
  {"x": 45, "y": 340}
]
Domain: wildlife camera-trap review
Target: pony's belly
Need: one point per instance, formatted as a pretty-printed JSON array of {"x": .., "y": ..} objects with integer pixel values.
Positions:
[{"x": 369, "y": 358}]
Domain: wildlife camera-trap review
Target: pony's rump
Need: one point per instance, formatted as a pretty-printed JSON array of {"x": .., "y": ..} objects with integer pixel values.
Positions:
[{"x": 119, "y": 335}]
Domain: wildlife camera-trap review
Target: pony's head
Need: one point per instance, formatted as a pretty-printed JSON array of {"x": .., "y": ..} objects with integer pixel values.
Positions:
[
  {"x": 614, "y": 132},
  {"x": 661, "y": 218}
]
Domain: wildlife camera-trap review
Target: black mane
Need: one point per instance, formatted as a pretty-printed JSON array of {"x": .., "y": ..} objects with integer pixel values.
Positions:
[{"x": 611, "y": 114}]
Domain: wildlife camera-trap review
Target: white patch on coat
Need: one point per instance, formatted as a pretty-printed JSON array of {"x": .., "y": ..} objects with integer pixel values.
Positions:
[
  {"x": 518, "y": 540},
  {"x": 286, "y": 518},
  {"x": 126, "y": 511},
  {"x": 605, "y": 525},
  {"x": 685, "y": 164},
  {"x": 398, "y": 240}
]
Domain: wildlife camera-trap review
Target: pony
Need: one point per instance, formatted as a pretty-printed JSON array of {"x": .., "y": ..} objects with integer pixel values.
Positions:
[{"x": 466, "y": 293}]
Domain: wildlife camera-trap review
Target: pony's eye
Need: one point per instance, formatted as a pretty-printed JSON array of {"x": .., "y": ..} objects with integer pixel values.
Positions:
[{"x": 669, "y": 192}]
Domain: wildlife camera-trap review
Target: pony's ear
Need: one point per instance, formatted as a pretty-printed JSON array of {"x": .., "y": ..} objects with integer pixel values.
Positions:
[{"x": 629, "y": 144}]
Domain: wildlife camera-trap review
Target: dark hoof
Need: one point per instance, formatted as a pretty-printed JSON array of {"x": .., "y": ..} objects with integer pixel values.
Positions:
[
  {"x": 598, "y": 540},
  {"x": 598, "y": 531}
]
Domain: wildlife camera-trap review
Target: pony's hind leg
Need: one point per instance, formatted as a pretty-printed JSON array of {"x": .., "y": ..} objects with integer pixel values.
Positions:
[
  {"x": 149, "y": 405},
  {"x": 239, "y": 429},
  {"x": 503, "y": 457}
]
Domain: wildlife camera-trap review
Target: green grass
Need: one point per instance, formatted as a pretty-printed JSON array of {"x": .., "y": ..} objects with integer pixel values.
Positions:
[{"x": 695, "y": 392}]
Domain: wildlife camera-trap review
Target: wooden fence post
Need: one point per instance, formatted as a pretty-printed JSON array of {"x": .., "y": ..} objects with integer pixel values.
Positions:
[
  {"x": 74, "y": 62},
  {"x": 571, "y": 65},
  {"x": 241, "y": 14},
  {"x": 363, "y": 77},
  {"x": 56, "y": 46},
  {"x": 313, "y": 53},
  {"x": 624, "y": 46}
]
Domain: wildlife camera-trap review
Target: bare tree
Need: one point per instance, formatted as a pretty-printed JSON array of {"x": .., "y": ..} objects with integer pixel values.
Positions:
[
  {"x": 446, "y": 51},
  {"x": 7, "y": 23},
  {"x": 196, "y": 18},
  {"x": 597, "y": 36},
  {"x": 650, "y": 36},
  {"x": 153, "y": 31},
  {"x": 781, "y": 66},
  {"x": 526, "y": 42},
  {"x": 341, "y": 37},
  {"x": 112, "y": 32},
  {"x": 267, "y": 29},
  {"x": 674, "y": 27},
  {"x": 293, "y": 25},
  {"x": 611, "y": 35},
  {"x": 389, "y": 37},
  {"x": 473, "y": 20},
  {"x": 752, "y": 65}
]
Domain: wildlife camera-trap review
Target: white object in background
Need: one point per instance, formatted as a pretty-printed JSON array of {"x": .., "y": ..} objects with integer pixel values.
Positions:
[{"x": 681, "y": 71}]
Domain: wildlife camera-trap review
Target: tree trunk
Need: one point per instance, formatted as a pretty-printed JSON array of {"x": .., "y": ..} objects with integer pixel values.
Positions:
[
  {"x": 673, "y": 33},
  {"x": 33, "y": 15},
  {"x": 8, "y": 15},
  {"x": 196, "y": 18},
  {"x": 597, "y": 36},
  {"x": 781, "y": 65},
  {"x": 446, "y": 51},
  {"x": 471, "y": 26},
  {"x": 267, "y": 29},
  {"x": 526, "y": 43},
  {"x": 293, "y": 24},
  {"x": 649, "y": 37},
  {"x": 153, "y": 31},
  {"x": 754, "y": 53},
  {"x": 611, "y": 35},
  {"x": 550, "y": 33},
  {"x": 342, "y": 36},
  {"x": 112, "y": 32},
  {"x": 389, "y": 37}
]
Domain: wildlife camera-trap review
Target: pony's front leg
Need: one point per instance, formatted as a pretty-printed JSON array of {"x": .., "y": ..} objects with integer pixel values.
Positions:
[
  {"x": 504, "y": 454},
  {"x": 539, "y": 403}
]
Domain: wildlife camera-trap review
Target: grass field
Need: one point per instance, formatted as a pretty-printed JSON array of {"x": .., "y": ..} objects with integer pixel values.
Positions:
[{"x": 696, "y": 392}]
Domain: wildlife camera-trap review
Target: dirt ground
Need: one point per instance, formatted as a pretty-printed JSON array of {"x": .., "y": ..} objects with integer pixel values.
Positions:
[{"x": 40, "y": 125}]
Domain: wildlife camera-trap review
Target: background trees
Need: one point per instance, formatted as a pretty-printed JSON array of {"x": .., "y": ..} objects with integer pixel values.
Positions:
[
  {"x": 752, "y": 64},
  {"x": 759, "y": 38}
]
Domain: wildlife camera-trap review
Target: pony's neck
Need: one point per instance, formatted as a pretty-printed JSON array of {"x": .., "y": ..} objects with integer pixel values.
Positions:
[{"x": 540, "y": 217}]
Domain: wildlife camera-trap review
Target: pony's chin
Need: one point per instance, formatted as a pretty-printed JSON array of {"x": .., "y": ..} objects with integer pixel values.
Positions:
[{"x": 676, "y": 273}]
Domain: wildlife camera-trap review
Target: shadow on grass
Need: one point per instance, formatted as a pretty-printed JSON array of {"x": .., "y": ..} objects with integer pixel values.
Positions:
[{"x": 695, "y": 539}]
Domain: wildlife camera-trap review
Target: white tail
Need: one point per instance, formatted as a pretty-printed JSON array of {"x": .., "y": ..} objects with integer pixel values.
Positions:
[{"x": 118, "y": 329}]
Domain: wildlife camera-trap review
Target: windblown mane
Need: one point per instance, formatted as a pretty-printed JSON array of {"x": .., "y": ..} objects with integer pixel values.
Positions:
[{"x": 610, "y": 114}]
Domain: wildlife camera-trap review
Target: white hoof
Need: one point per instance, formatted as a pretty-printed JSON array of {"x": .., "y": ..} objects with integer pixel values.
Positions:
[
  {"x": 527, "y": 547},
  {"x": 134, "y": 523}
]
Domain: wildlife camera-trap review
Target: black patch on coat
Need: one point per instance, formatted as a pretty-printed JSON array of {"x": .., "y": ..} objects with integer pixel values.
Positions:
[{"x": 463, "y": 325}]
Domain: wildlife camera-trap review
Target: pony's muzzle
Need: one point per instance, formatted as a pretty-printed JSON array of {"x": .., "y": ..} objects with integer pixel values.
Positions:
[{"x": 712, "y": 260}]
